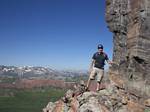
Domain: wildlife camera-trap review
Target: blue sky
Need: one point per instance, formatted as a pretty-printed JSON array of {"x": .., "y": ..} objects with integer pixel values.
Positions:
[{"x": 61, "y": 34}]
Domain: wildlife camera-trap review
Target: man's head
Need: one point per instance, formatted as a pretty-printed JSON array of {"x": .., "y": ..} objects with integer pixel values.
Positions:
[{"x": 100, "y": 48}]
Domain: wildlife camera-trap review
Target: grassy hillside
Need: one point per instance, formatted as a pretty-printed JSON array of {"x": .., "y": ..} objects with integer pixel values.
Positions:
[{"x": 27, "y": 100}]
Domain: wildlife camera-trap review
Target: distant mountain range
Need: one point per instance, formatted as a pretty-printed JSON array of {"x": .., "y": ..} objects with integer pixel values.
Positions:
[{"x": 38, "y": 72}]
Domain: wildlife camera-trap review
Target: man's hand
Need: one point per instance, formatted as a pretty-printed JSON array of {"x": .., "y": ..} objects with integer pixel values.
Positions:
[{"x": 110, "y": 62}]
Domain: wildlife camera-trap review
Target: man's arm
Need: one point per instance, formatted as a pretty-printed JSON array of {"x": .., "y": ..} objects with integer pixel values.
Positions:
[
  {"x": 107, "y": 59},
  {"x": 109, "y": 62}
]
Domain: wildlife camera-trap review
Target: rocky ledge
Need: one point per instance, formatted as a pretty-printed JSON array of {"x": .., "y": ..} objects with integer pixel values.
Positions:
[{"x": 113, "y": 98}]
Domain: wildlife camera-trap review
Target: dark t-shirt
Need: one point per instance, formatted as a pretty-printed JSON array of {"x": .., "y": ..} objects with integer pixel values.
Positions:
[{"x": 100, "y": 59}]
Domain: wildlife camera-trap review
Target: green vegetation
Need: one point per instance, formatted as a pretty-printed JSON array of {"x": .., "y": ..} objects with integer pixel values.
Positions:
[
  {"x": 147, "y": 110},
  {"x": 7, "y": 79},
  {"x": 28, "y": 100}
]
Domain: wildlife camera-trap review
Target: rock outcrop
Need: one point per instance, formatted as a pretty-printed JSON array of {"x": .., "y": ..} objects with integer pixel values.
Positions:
[
  {"x": 114, "y": 98},
  {"x": 129, "y": 20}
]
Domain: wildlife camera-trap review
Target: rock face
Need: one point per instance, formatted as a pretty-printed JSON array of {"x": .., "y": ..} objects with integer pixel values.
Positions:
[{"x": 129, "y": 20}]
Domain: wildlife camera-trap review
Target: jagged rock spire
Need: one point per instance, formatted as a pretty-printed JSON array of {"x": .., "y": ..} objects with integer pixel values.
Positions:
[{"x": 129, "y": 20}]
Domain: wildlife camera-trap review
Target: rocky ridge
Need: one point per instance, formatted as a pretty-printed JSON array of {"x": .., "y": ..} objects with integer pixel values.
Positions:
[{"x": 113, "y": 98}]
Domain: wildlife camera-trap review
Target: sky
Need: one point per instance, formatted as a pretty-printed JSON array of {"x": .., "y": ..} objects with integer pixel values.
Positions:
[{"x": 61, "y": 34}]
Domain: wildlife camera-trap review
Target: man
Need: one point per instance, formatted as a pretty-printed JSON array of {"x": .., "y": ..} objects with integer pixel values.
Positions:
[{"x": 97, "y": 66}]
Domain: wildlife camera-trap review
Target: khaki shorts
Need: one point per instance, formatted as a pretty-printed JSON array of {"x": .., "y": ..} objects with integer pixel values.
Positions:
[{"x": 98, "y": 72}]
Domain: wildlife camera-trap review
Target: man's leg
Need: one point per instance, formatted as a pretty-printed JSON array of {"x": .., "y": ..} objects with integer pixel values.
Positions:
[
  {"x": 88, "y": 83},
  {"x": 98, "y": 86},
  {"x": 91, "y": 77},
  {"x": 99, "y": 78}
]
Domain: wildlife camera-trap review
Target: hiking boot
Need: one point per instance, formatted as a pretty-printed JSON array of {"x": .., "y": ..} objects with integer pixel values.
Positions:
[{"x": 87, "y": 89}]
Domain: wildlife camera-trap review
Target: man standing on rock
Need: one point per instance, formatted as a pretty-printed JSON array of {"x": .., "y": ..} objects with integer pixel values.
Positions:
[{"x": 97, "y": 66}]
